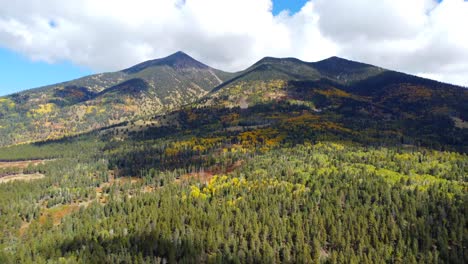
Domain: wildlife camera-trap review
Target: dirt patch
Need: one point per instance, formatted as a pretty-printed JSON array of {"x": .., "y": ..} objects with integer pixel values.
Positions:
[
  {"x": 57, "y": 213},
  {"x": 203, "y": 177},
  {"x": 148, "y": 189},
  {"x": 131, "y": 180},
  {"x": 222, "y": 170},
  {"x": 102, "y": 197},
  {"x": 324, "y": 254},
  {"x": 21, "y": 177},
  {"x": 118, "y": 181},
  {"x": 24, "y": 227},
  {"x": 234, "y": 166},
  {"x": 21, "y": 164}
]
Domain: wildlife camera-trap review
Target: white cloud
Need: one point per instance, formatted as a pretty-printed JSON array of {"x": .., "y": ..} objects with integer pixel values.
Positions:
[{"x": 418, "y": 36}]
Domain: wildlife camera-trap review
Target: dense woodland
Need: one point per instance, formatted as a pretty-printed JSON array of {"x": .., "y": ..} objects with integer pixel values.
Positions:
[{"x": 221, "y": 200}]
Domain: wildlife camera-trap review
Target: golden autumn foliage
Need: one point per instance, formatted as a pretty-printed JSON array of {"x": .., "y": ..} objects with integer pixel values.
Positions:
[
  {"x": 219, "y": 185},
  {"x": 7, "y": 102},
  {"x": 315, "y": 122},
  {"x": 194, "y": 144},
  {"x": 268, "y": 136},
  {"x": 43, "y": 109},
  {"x": 334, "y": 92},
  {"x": 92, "y": 109}
]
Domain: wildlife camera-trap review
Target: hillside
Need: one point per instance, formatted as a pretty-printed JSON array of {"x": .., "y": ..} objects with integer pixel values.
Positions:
[
  {"x": 104, "y": 99},
  {"x": 286, "y": 162},
  {"x": 337, "y": 95},
  {"x": 353, "y": 96}
]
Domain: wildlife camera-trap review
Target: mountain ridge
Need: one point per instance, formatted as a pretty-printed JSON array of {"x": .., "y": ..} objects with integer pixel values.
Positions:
[
  {"x": 178, "y": 60},
  {"x": 331, "y": 86},
  {"x": 168, "y": 60},
  {"x": 104, "y": 99}
]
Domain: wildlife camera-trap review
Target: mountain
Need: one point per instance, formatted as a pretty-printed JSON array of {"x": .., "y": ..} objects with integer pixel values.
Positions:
[
  {"x": 267, "y": 78},
  {"x": 345, "y": 71},
  {"x": 356, "y": 100},
  {"x": 104, "y": 99},
  {"x": 334, "y": 97}
]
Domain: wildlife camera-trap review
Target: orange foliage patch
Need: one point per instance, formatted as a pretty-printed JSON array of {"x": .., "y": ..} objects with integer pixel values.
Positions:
[
  {"x": 57, "y": 213},
  {"x": 23, "y": 228},
  {"x": 334, "y": 92},
  {"x": 148, "y": 189},
  {"x": 202, "y": 177}
]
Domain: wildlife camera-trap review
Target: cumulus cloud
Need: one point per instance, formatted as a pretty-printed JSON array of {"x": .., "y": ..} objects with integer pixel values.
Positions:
[{"x": 420, "y": 36}]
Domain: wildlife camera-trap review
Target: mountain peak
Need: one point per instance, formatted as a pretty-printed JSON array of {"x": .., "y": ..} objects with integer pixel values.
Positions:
[
  {"x": 337, "y": 62},
  {"x": 179, "y": 55},
  {"x": 273, "y": 60},
  {"x": 178, "y": 60},
  {"x": 336, "y": 58},
  {"x": 344, "y": 70}
]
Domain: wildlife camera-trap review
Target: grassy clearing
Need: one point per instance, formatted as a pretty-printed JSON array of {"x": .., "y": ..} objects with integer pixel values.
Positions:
[
  {"x": 22, "y": 177},
  {"x": 21, "y": 164}
]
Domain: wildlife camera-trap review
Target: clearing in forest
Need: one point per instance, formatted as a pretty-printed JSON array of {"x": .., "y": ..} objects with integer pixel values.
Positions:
[
  {"x": 20, "y": 164},
  {"x": 21, "y": 177}
]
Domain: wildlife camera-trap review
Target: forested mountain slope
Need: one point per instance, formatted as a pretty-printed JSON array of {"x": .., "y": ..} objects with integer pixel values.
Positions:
[
  {"x": 99, "y": 100},
  {"x": 342, "y": 95}
]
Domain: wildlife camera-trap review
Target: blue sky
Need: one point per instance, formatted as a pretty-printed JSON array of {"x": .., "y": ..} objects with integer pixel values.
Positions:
[
  {"x": 292, "y": 5},
  {"x": 20, "y": 73}
]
